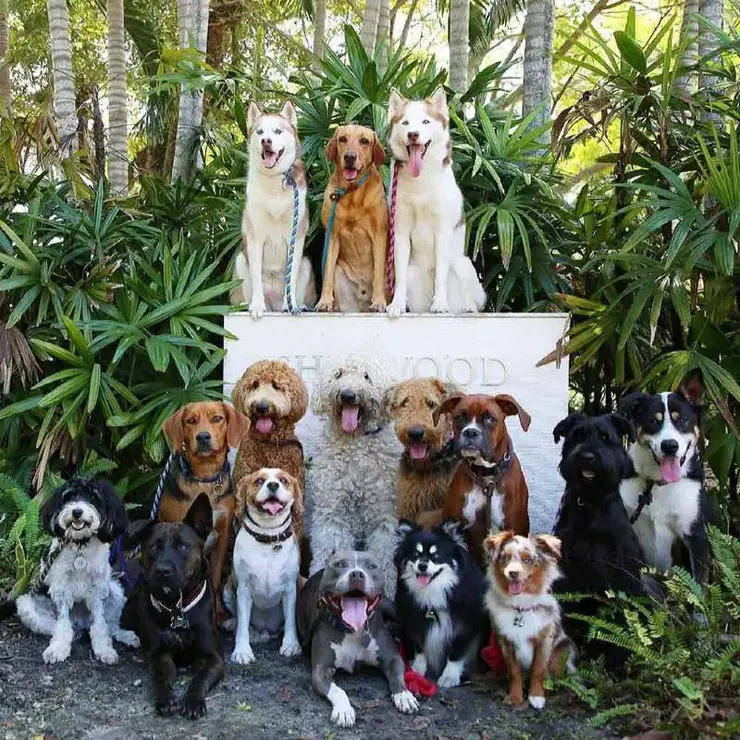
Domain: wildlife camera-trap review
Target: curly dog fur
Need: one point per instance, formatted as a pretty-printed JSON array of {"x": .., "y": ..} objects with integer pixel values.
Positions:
[
  {"x": 275, "y": 399},
  {"x": 423, "y": 473},
  {"x": 351, "y": 501}
]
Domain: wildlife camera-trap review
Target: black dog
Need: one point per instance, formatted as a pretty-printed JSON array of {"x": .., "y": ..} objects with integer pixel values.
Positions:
[
  {"x": 173, "y": 609},
  {"x": 439, "y": 603},
  {"x": 600, "y": 550}
]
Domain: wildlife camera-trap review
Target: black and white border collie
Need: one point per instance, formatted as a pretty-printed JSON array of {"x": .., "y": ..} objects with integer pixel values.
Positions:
[
  {"x": 665, "y": 494},
  {"x": 439, "y": 602}
]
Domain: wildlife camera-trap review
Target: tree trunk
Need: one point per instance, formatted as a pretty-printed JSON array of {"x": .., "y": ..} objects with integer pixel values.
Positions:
[
  {"x": 382, "y": 40},
  {"x": 686, "y": 83},
  {"x": 192, "y": 20},
  {"x": 63, "y": 74},
  {"x": 117, "y": 108},
  {"x": 712, "y": 11},
  {"x": 370, "y": 25},
  {"x": 4, "y": 69},
  {"x": 407, "y": 26},
  {"x": 319, "y": 31},
  {"x": 459, "y": 44},
  {"x": 537, "y": 76}
]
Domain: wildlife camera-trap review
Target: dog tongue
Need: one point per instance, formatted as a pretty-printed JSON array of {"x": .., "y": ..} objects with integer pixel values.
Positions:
[
  {"x": 423, "y": 579},
  {"x": 350, "y": 418},
  {"x": 515, "y": 587},
  {"x": 354, "y": 612},
  {"x": 670, "y": 469},
  {"x": 349, "y": 173},
  {"x": 270, "y": 159},
  {"x": 418, "y": 450},
  {"x": 415, "y": 160},
  {"x": 273, "y": 506},
  {"x": 264, "y": 425}
]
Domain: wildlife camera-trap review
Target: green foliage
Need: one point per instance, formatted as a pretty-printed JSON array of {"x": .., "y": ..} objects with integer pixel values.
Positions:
[{"x": 684, "y": 663}]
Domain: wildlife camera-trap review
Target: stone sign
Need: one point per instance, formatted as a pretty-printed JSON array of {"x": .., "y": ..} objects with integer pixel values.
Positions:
[{"x": 486, "y": 353}]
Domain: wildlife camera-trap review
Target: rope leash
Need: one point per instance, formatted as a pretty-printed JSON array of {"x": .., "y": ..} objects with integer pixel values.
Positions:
[
  {"x": 160, "y": 487},
  {"x": 294, "y": 309},
  {"x": 334, "y": 197},
  {"x": 390, "y": 268}
]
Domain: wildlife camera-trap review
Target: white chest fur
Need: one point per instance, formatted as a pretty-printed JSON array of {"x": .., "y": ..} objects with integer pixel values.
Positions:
[
  {"x": 476, "y": 501},
  {"x": 77, "y": 572},
  {"x": 355, "y": 648},
  {"x": 265, "y": 570}
]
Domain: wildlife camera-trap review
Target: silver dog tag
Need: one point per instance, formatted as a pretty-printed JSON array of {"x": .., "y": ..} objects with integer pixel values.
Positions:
[
  {"x": 80, "y": 562},
  {"x": 519, "y": 620},
  {"x": 179, "y": 622},
  {"x": 277, "y": 547}
]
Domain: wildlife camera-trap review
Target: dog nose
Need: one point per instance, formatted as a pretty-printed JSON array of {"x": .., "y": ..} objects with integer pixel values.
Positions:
[
  {"x": 203, "y": 437},
  {"x": 163, "y": 570},
  {"x": 669, "y": 446},
  {"x": 423, "y": 566},
  {"x": 588, "y": 457},
  {"x": 267, "y": 141},
  {"x": 77, "y": 513},
  {"x": 413, "y": 136},
  {"x": 356, "y": 575},
  {"x": 262, "y": 407},
  {"x": 350, "y": 158},
  {"x": 513, "y": 575},
  {"x": 348, "y": 397},
  {"x": 415, "y": 434},
  {"x": 471, "y": 434},
  {"x": 272, "y": 486}
]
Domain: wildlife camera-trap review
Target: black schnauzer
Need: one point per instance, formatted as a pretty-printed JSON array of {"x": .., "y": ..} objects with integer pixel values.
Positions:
[
  {"x": 600, "y": 549},
  {"x": 173, "y": 609}
]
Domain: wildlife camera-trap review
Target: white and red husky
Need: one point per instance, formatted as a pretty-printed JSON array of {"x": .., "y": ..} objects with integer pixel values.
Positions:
[
  {"x": 432, "y": 271},
  {"x": 268, "y": 216}
]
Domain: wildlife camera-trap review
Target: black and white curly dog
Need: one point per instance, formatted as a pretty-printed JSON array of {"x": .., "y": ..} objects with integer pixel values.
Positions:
[
  {"x": 600, "y": 550},
  {"x": 76, "y": 589}
]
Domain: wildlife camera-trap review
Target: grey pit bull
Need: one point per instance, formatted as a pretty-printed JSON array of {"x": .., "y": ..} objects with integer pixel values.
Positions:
[{"x": 340, "y": 620}]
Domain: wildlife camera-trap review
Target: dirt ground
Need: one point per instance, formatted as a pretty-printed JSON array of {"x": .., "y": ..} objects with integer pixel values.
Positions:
[{"x": 272, "y": 698}]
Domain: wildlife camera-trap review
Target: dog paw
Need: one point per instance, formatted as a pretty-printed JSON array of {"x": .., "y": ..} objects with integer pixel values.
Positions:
[
  {"x": 515, "y": 700},
  {"x": 538, "y": 702},
  {"x": 395, "y": 310},
  {"x": 378, "y": 306},
  {"x": 128, "y": 638},
  {"x": 168, "y": 707},
  {"x": 440, "y": 305},
  {"x": 193, "y": 707},
  {"x": 325, "y": 305},
  {"x": 56, "y": 653},
  {"x": 290, "y": 648},
  {"x": 106, "y": 655},
  {"x": 343, "y": 716},
  {"x": 405, "y": 702},
  {"x": 242, "y": 656},
  {"x": 257, "y": 308},
  {"x": 450, "y": 677}
]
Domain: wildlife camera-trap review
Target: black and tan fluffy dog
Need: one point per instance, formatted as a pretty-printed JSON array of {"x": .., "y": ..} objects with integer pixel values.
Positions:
[{"x": 173, "y": 609}]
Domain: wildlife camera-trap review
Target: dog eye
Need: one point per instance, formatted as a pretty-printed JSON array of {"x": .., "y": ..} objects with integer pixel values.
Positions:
[
  {"x": 364, "y": 141},
  {"x": 338, "y": 374},
  {"x": 217, "y": 419},
  {"x": 404, "y": 403},
  {"x": 367, "y": 377},
  {"x": 183, "y": 546},
  {"x": 526, "y": 559},
  {"x": 284, "y": 482},
  {"x": 342, "y": 139},
  {"x": 425, "y": 121},
  {"x": 275, "y": 386},
  {"x": 191, "y": 420},
  {"x": 278, "y": 131},
  {"x": 255, "y": 385},
  {"x": 404, "y": 123},
  {"x": 259, "y": 132},
  {"x": 340, "y": 565},
  {"x": 260, "y": 481},
  {"x": 431, "y": 404},
  {"x": 488, "y": 419},
  {"x": 372, "y": 566}
]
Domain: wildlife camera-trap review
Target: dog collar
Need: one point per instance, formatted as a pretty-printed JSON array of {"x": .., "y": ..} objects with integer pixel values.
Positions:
[
  {"x": 339, "y": 192},
  {"x": 178, "y": 620},
  {"x": 275, "y": 540},
  {"x": 489, "y": 474},
  {"x": 521, "y": 611},
  {"x": 219, "y": 479}
]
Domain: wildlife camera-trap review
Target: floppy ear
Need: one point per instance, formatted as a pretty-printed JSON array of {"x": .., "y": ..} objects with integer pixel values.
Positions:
[
  {"x": 494, "y": 542},
  {"x": 289, "y": 114},
  {"x": 253, "y": 113},
  {"x": 692, "y": 388},
  {"x": 200, "y": 516},
  {"x": 624, "y": 426},
  {"x": 564, "y": 427},
  {"x": 396, "y": 101},
  {"x": 297, "y": 508},
  {"x": 453, "y": 530},
  {"x": 172, "y": 429},
  {"x": 298, "y": 399},
  {"x": 548, "y": 545},
  {"x": 237, "y": 425},
  {"x": 378, "y": 151},
  {"x": 510, "y": 406},
  {"x": 49, "y": 510},
  {"x": 137, "y": 532},
  {"x": 447, "y": 406},
  {"x": 115, "y": 518},
  {"x": 331, "y": 148},
  {"x": 631, "y": 404},
  {"x": 238, "y": 393},
  {"x": 240, "y": 496}
]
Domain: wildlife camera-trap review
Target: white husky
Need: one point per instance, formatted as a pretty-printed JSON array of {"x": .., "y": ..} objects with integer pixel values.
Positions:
[
  {"x": 432, "y": 271},
  {"x": 268, "y": 216}
]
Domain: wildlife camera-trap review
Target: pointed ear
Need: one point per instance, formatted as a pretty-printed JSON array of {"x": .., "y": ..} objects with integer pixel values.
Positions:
[
  {"x": 378, "y": 151},
  {"x": 511, "y": 406},
  {"x": 692, "y": 388},
  {"x": 548, "y": 545},
  {"x": 396, "y": 102},
  {"x": 453, "y": 530},
  {"x": 563, "y": 428},
  {"x": 289, "y": 114},
  {"x": 494, "y": 542},
  {"x": 237, "y": 425},
  {"x": 173, "y": 431},
  {"x": 331, "y": 148},
  {"x": 137, "y": 532},
  {"x": 631, "y": 405},
  {"x": 624, "y": 427},
  {"x": 447, "y": 406},
  {"x": 253, "y": 113},
  {"x": 438, "y": 101},
  {"x": 200, "y": 516},
  {"x": 405, "y": 527}
]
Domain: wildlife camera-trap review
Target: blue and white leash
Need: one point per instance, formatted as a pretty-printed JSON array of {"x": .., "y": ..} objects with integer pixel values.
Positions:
[{"x": 294, "y": 309}]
